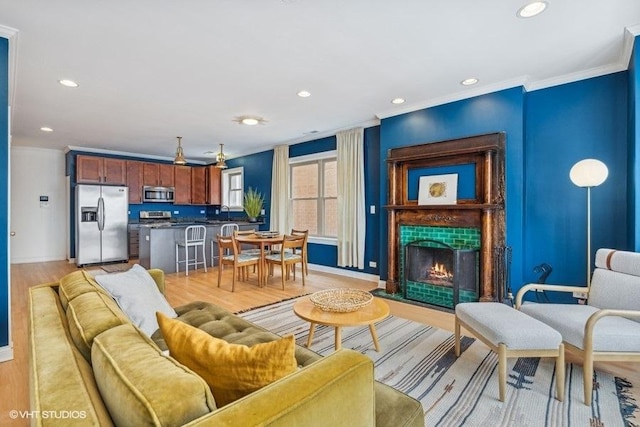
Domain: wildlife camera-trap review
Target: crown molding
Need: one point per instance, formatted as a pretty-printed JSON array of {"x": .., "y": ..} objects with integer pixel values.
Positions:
[
  {"x": 127, "y": 154},
  {"x": 12, "y": 35},
  {"x": 458, "y": 96},
  {"x": 574, "y": 77},
  {"x": 332, "y": 132}
]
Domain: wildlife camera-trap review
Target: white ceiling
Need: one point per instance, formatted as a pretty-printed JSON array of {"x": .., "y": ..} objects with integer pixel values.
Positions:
[{"x": 150, "y": 70}]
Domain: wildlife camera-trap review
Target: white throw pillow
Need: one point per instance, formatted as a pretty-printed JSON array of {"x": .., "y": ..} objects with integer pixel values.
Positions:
[{"x": 138, "y": 296}]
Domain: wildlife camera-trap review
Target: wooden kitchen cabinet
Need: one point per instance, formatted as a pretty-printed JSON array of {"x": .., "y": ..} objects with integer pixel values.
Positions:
[
  {"x": 199, "y": 185},
  {"x": 158, "y": 174},
  {"x": 182, "y": 178},
  {"x": 214, "y": 194},
  {"x": 100, "y": 170},
  {"x": 134, "y": 181}
]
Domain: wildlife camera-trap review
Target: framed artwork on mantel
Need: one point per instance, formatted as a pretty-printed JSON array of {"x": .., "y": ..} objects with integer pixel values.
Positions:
[{"x": 438, "y": 190}]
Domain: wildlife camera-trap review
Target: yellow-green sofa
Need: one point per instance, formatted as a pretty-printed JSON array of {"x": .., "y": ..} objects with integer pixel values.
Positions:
[{"x": 90, "y": 366}]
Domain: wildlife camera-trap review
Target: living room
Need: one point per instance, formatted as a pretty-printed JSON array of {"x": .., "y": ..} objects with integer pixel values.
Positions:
[{"x": 548, "y": 128}]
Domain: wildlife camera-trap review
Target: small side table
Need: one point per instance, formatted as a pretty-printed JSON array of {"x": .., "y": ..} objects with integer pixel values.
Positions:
[{"x": 368, "y": 315}]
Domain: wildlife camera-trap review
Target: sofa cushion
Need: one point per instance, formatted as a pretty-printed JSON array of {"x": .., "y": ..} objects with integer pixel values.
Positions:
[
  {"x": 231, "y": 370},
  {"x": 611, "y": 333},
  {"x": 138, "y": 296},
  {"x": 61, "y": 379},
  {"x": 76, "y": 283},
  {"x": 90, "y": 314},
  {"x": 221, "y": 323},
  {"x": 140, "y": 386}
]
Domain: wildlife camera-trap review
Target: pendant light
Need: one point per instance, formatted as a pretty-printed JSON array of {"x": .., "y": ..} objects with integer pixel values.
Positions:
[
  {"x": 220, "y": 159},
  {"x": 179, "y": 160}
]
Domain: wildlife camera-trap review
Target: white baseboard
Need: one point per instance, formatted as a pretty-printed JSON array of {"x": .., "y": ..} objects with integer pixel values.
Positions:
[
  {"x": 37, "y": 259},
  {"x": 6, "y": 353},
  {"x": 346, "y": 273}
]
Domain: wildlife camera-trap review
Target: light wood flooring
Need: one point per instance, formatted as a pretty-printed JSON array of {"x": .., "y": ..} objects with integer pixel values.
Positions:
[{"x": 14, "y": 377}]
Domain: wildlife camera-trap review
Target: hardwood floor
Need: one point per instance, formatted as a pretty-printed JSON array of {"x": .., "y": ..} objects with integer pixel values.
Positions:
[{"x": 14, "y": 377}]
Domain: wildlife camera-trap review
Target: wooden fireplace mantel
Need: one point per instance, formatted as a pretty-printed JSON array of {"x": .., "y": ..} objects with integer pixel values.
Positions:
[{"x": 485, "y": 211}]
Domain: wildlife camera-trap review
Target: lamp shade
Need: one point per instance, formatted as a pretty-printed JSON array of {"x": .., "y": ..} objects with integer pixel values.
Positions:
[{"x": 588, "y": 173}]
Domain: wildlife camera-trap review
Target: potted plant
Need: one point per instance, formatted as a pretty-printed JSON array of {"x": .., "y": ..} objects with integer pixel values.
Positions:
[{"x": 253, "y": 203}]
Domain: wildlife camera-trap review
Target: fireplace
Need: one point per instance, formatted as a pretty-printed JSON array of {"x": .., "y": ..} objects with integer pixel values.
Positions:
[
  {"x": 438, "y": 274},
  {"x": 478, "y": 213}
]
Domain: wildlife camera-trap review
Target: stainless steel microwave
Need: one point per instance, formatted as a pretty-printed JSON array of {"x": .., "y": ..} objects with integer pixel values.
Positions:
[{"x": 158, "y": 194}]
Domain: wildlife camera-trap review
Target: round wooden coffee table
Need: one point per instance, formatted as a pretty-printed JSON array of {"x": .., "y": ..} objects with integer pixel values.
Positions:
[{"x": 368, "y": 315}]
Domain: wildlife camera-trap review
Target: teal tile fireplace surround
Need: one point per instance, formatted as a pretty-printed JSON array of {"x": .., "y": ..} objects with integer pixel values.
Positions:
[{"x": 456, "y": 238}]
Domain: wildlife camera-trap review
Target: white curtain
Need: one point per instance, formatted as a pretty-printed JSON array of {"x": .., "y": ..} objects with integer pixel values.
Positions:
[
  {"x": 351, "y": 208},
  {"x": 279, "y": 214}
]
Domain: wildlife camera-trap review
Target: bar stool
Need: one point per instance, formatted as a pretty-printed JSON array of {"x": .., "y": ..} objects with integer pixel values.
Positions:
[
  {"x": 226, "y": 230},
  {"x": 194, "y": 236}
]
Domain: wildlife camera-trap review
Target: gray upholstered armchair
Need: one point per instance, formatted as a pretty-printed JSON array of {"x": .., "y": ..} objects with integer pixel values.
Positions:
[{"x": 608, "y": 326}]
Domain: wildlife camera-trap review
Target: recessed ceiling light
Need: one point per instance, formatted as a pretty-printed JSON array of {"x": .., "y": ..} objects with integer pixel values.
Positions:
[
  {"x": 532, "y": 9},
  {"x": 469, "y": 81},
  {"x": 250, "y": 120},
  {"x": 398, "y": 101},
  {"x": 68, "y": 83},
  {"x": 304, "y": 94},
  {"x": 46, "y": 129}
]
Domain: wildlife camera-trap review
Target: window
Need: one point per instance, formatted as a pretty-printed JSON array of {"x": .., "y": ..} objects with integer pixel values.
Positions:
[
  {"x": 232, "y": 188},
  {"x": 314, "y": 194}
]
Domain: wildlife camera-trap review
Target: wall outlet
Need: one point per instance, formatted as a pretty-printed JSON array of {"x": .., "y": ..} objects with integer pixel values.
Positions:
[
  {"x": 372, "y": 209},
  {"x": 176, "y": 212},
  {"x": 262, "y": 212},
  {"x": 217, "y": 211},
  {"x": 202, "y": 211},
  {"x": 580, "y": 295},
  {"x": 373, "y": 264}
]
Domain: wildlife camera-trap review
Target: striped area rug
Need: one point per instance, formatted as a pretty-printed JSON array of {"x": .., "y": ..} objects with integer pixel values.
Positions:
[{"x": 420, "y": 361}]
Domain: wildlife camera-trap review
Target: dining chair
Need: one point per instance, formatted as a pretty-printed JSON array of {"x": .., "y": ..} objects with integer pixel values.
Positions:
[
  {"x": 251, "y": 251},
  {"x": 303, "y": 252},
  {"x": 229, "y": 254},
  {"x": 225, "y": 230},
  {"x": 289, "y": 255},
  {"x": 194, "y": 236}
]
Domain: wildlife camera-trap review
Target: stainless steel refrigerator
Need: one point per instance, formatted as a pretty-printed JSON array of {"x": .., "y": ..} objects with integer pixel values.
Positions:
[{"x": 101, "y": 224}]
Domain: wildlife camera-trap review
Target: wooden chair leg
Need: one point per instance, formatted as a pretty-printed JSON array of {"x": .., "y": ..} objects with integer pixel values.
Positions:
[
  {"x": 457, "y": 335},
  {"x": 502, "y": 371},
  {"x": 233, "y": 281},
  {"x": 283, "y": 268},
  {"x": 560, "y": 374},
  {"x": 588, "y": 377},
  {"x": 219, "y": 273}
]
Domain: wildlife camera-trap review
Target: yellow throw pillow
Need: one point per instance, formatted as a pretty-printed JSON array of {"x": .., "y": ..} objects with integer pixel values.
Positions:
[{"x": 231, "y": 370}]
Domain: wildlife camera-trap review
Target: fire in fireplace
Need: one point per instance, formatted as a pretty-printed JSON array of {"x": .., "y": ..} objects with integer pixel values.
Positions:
[{"x": 438, "y": 274}]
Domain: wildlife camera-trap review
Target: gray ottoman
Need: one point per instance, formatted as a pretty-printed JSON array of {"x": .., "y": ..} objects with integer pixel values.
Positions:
[{"x": 511, "y": 333}]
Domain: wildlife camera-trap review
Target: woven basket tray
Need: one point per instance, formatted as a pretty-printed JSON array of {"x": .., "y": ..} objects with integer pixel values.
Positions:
[{"x": 341, "y": 300}]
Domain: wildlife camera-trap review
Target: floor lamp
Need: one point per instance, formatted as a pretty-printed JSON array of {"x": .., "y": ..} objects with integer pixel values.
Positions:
[{"x": 589, "y": 173}]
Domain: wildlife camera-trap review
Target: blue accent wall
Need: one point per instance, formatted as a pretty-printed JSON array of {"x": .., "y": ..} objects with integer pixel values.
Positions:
[
  {"x": 501, "y": 111},
  {"x": 257, "y": 175},
  {"x": 565, "y": 124},
  {"x": 4, "y": 192},
  {"x": 633, "y": 179}
]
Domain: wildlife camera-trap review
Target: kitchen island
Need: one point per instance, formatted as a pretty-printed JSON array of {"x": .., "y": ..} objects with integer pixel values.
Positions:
[{"x": 157, "y": 243}]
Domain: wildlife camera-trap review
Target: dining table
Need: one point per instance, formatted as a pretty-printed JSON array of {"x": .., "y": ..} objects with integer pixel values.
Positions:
[{"x": 262, "y": 240}]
